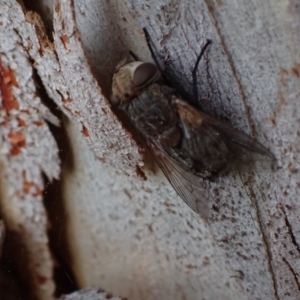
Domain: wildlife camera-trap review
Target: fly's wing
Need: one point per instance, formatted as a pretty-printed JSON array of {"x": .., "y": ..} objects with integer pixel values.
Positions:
[
  {"x": 189, "y": 187},
  {"x": 199, "y": 127},
  {"x": 239, "y": 138}
]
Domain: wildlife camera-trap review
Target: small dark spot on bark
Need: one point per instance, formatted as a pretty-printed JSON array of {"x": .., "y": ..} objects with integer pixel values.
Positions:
[
  {"x": 242, "y": 255},
  {"x": 206, "y": 261},
  {"x": 293, "y": 169},
  {"x": 215, "y": 208},
  {"x": 127, "y": 193},
  {"x": 288, "y": 207},
  {"x": 190, "y": 266},
  {"x": 190, "y": 225},
  {"x": 150, "y": 227}
]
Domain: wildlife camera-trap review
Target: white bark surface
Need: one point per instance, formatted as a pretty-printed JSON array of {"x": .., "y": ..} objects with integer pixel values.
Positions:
[{"x": 137, "y": 238}]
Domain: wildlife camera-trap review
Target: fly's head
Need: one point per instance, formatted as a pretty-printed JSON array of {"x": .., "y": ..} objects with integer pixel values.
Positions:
[{"x": 131, "y": 78}]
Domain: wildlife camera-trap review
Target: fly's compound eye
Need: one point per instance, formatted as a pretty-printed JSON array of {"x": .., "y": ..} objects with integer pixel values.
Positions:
[
  {"x": 131, "y": 78},
  {"x": 145, "y": 74}
]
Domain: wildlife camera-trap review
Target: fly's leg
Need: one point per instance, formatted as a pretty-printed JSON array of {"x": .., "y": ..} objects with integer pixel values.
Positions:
[{"x": 194, "y": 72}]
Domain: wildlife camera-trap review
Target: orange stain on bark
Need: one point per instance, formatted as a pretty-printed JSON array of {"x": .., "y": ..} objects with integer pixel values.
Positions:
[
  {"x": 65, "y": 39},
  {"x": 17, "y": 140},
  {"x": 22, "y": 123},
  {"x": 28, "y": 185},
  {"x": 85, "y": 131},
  {"x": 7, "y": 81},
  {"x": 38, "y": 123}
]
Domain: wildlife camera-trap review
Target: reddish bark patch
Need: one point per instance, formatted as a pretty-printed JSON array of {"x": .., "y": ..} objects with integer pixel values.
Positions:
[
  {"x": 283, "y": 74},
  {"x": 14, "y": 151},
  {"x": 85, "y": 131},
  {"x": 67, "y": 108},
  {"x": 16, "y": 137},
  {"x": 40, "y": 40},
  {"x": 38, "y": 191},
  {"x": 65, "y": 40},
  {"x": 7, "y": 81},
  {"x": 42, "y": 279},
  {"x": 22, "y": 123},
  {"x": 296, "y": 70},
  {"x": 38, "y": 123},
  {"x": 17, "y": 140},
  {"x": 28, "y": 185},
  {"x": 67, "y": 99}
]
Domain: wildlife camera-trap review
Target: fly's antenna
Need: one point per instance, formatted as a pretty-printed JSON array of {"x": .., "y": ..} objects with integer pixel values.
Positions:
[
  {"x": 194, "y": 72},
  {"x": 134, "y": 56},
  {"x": 154, "y": 57},
  {"x": 149, "y": 44}
]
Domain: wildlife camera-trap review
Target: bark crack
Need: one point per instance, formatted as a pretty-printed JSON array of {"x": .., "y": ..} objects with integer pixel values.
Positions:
[
  {"x": 266, "y": 244},
  {"x": 292, "y": 271},
  {"x": 265, "y": 241},
  {"x": 233, "y": 70},
  {"x": 290, "y": 230}
]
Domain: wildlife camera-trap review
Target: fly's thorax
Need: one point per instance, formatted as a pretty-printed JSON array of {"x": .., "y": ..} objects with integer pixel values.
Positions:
[
  {"x": 152, "y": 114},
  {"x": 131, "y": 78}
]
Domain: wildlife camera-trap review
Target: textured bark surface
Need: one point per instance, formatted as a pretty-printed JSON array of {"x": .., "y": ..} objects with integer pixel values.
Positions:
[
  {"x": 28, "y": 150},
  {"x": 90, "y": 294},
  {"x": 137, "y": 238}
]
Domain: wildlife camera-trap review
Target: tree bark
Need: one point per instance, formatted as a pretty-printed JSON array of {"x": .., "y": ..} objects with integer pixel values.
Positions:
[{"x": 128, "y": 231}]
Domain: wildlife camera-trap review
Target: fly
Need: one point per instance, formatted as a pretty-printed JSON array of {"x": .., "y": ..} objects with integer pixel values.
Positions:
[{"x": 189, "y": 146}]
